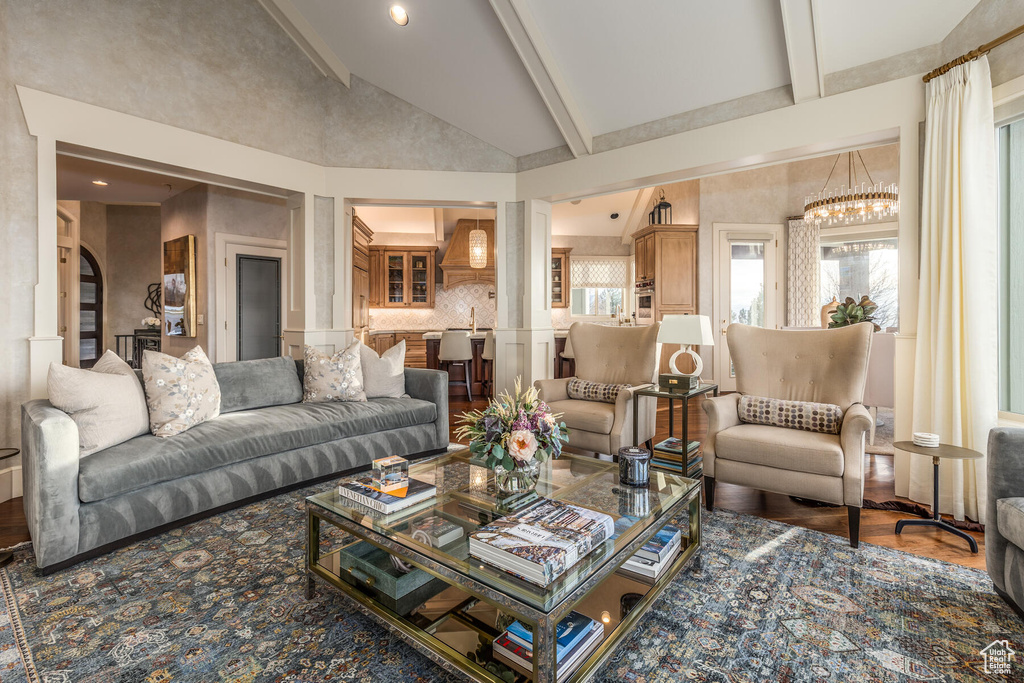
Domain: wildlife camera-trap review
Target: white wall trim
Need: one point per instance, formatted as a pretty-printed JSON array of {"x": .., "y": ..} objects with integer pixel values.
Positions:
[
  {"x": 226, "y": 248},
  {"x": 10, "y": 483}
]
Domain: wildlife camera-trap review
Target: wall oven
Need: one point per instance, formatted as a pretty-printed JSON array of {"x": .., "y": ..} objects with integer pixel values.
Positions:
[{"x": 643, "y": 309}]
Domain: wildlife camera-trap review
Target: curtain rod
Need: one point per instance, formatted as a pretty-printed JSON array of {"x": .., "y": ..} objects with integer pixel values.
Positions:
[{"x": 974, "y": 54}]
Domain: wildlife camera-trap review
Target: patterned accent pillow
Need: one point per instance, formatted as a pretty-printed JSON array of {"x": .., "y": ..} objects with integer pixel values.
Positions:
[
  {"x": 332, "y": 378},
  {"x": 180, "y": 392},
  {"x": 826, "y": 418},
  {"x": 585, "y": 390}
]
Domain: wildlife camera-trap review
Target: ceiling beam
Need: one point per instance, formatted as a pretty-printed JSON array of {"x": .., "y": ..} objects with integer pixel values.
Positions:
[
  {"x": 439, "y": 224},
  {"x": 636, "y": 215},
  {"x": 526, "y": 37},
  {"x": 309, "y": 41},
  {"x": 803, "y": 46}
]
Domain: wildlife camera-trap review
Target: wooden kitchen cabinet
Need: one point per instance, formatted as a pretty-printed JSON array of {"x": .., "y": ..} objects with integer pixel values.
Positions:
[
  {"x": 650, "y": 249},
  {"x": 675, "y": 270},
  {"x": 415, "y": 346},
  {"x": 406, "y": 276},
  {"x": 376, "y": 277},
  {"x": 560, "y": 280},
  {"x": 361, "y": 238}
]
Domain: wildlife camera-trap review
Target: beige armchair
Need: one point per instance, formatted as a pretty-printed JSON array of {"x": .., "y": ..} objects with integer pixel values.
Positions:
[
  {"x": 610, "y": 355},
  {"x": 826, "y": 366}
]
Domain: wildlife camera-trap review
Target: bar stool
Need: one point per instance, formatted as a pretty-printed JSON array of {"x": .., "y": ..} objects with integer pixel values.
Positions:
[
  {"x": 457, "y": 349},
  {"x": 487, "y": 368},
  {"x": 566, "y": 356}
]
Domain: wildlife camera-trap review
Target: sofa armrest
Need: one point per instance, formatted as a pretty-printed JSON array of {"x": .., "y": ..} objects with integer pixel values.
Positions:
[
  {"x": 856, "y": 424},
  {"x": 431, "y": 385},
  {"x": 49, "y": 452},
  {"x": 723, "y": 412},
  {"x": 553, "y": 389},
  {"x": 1005, "y": 480}
]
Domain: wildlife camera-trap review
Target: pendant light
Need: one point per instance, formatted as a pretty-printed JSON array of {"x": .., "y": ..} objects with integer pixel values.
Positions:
[{"x": 477, "y": 246}]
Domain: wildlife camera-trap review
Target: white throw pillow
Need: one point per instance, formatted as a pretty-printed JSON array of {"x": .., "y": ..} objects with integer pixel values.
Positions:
[
  {"x": 332, "y": 378},
  {"x": 181, "y": 392},
  {"x": 107, "y": 403},
  {"x": 383, "y": 376}
]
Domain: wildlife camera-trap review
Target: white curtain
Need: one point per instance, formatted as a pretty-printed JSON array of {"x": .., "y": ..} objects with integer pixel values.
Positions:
[
  {"x": 956, "y": 373},
  {"x": 804, "y": 276}
]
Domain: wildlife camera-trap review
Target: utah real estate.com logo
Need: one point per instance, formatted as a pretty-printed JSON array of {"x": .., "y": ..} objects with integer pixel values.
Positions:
[{"x": 999, "y": 657}]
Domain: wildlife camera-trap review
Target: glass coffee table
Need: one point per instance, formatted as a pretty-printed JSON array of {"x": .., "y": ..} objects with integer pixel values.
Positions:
[{"x": 450, "y": 606}]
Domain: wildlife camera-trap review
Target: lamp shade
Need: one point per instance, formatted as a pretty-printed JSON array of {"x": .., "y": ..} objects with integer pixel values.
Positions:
[
  {"x": 686, "y": 329},
  {"x": 477, "y": 248}
]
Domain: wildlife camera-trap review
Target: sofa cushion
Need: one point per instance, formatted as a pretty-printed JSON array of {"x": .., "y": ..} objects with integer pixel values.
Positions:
[
  {"x": 588, "y": 416},
  {"x": 332, "y": 378},
  {"x": 180, "y": 392},
  {"x": 383, "y": 375},
  {"x": 813, "y": 417},
  {"x": 1010, "y": 520},
  {"x": 240, "y": 436},
  {"x": 785, "y": 449},
  {"x": 249, "y": 384}
]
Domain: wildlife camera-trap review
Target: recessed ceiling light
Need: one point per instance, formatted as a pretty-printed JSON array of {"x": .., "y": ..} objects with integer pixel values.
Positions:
[
  {"x": 576, "y": 202},
  {"x": 101, "y": 183},
  {"x": 399, "y": 15}
]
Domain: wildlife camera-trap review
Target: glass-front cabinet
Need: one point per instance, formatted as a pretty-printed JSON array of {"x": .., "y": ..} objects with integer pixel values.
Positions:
[
  {"x": 408, "y": 276},
  {"x": 560, "y": 283}
]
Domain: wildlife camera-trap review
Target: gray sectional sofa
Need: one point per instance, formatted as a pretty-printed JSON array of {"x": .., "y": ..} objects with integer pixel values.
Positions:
[
  {"x": 265, "y": 441},
  {"x": 1004, "y": 524}
]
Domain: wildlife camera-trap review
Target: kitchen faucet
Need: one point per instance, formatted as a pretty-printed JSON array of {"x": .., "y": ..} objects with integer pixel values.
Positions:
[{"x": 472, "y": 319}]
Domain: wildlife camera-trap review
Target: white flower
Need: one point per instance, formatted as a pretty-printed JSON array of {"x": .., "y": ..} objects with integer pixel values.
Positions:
[
  {"x": 183, "y": 387},
  {"x": 159, "y": 382},
  {"x": 522, "y": 444},
  {"x": 192, "y": 376}
]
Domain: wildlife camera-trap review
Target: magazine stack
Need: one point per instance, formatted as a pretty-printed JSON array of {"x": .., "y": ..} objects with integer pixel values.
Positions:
[{"x": 577, "y": 637}]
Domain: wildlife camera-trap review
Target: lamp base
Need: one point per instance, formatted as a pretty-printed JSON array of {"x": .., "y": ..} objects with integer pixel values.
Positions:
[{"x": 678, "y": 383}]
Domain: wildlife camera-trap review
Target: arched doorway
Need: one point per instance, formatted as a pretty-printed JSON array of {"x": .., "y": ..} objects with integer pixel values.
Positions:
[{"x": 90, "y": 309}]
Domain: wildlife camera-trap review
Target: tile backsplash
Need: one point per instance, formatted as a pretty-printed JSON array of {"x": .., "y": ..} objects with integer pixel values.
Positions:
[{"x": 451, "y": 309}]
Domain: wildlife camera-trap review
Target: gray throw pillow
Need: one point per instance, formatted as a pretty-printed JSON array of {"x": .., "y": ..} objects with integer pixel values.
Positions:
[
  {"x": 107, "y": 403},
  {"x": 383, "y": 376},
  {"x": 181, "y": 392},
  {"x": 332, "y": 378}
]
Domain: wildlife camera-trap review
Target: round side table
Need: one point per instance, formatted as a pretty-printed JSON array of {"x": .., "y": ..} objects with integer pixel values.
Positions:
[
  {"x": 938, "y": 453},
  {"x": 5, "y": 453}
]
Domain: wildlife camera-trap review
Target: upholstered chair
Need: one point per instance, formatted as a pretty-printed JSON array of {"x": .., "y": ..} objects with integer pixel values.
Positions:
[
  {"x": 456, "y": 348},
  {"x": 1004, "y": 523},
  {"x": 608, "y": 355},
  {"x": 819, "y": 366}
]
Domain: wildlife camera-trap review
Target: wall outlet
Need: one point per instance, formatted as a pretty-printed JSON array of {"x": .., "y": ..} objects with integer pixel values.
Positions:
[{"x": 200, "y": 319}]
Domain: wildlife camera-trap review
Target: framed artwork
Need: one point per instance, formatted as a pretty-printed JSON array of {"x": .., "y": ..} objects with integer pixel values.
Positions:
[{"x": 180, "y": 287}]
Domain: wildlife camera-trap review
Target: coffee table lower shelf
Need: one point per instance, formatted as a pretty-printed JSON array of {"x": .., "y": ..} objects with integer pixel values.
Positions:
[{"x": 427, "y": 633}]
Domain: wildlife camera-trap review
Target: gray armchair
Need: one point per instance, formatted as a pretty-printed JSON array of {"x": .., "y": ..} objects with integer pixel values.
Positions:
[
  {"x": 609, "y": 355},
  {"x": 1004, "y": 525},
  {"x": 821, "y": 366}
]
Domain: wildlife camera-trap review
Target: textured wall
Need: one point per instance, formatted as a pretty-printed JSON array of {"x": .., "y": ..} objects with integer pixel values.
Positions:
[
  {"x": 592, "y": 246},
  {"x": 134, "y": 256},
  {"x": 513, "y": 256},
  {"x": 323, "y": 261}
]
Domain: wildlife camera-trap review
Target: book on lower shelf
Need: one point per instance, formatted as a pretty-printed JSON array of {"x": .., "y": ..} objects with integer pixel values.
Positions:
[
  {"x": 654, "y": 558},
  {"x": 576, "y": 636},
  {"x": 436, "y": 530},
  {"x": 541, "y": 542},
  {"x": 675, "y": 445},
  {"x": 361, "y": 490}
]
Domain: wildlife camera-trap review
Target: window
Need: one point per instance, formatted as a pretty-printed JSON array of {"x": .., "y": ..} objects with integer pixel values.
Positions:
[
  {"x": 1011, "y": 267},
  {"x": 854, "y": 265},
  {"x": 599, "y": 286}
]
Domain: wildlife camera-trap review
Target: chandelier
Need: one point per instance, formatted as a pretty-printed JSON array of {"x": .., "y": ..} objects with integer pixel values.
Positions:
[{"x": 852, "y": 201}]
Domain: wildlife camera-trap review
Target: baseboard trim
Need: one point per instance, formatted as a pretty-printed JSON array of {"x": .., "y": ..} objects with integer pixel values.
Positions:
[{"x": 10, "y": 483}]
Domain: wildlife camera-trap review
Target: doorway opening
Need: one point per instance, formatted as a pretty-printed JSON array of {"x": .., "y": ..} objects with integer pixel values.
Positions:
[{"x": 90, "y": 309}]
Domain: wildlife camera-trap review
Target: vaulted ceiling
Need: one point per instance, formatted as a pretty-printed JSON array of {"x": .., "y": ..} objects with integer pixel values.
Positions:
[{"x": 531, "y": 75}]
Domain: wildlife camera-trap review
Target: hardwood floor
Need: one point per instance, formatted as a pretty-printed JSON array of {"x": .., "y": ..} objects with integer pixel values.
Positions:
[{"x": 876, "y": 526}]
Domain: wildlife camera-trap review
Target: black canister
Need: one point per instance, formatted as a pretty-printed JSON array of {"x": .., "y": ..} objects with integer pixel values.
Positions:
[{"x": 634, "y": 466}]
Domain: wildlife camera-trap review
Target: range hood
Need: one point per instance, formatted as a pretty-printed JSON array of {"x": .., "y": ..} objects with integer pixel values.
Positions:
[{"x": 455, "y": 264}]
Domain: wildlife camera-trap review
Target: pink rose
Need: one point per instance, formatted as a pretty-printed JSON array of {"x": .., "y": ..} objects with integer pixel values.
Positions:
[{"x": 522, "y": 445}]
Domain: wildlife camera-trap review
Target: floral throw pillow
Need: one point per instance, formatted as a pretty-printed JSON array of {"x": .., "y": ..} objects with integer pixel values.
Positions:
[
  {"x": 180, "y": 392},
  {"x": 826, "y": 418},
  {"x": 585, "y": 390},
  {"x": 332, "y": 378}
]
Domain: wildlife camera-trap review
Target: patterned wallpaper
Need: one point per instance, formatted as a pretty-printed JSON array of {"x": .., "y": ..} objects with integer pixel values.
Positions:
[
  {"x": 451, "y": 309},
  {"x": 804, "y": 274}
]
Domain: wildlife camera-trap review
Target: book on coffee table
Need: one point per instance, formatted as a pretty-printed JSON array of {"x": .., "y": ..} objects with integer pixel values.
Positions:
[
  {"x": 362, "y": 491},
  {"x": 541, "y": 542},
  {"x": 662, "y": 544},
  {"x": 576, "y": 636}
]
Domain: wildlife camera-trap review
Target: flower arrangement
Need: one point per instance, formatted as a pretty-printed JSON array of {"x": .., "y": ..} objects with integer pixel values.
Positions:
[
  {"x": 151, "y": 322},
  {"x": 514, "y": 431}
]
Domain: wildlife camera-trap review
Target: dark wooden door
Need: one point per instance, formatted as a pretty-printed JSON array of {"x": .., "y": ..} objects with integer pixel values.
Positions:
[
  {"x": 259, "y": 307},
  {"x": 90, "y": 310}
]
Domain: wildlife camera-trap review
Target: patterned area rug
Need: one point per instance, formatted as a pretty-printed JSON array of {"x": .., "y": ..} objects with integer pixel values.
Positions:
[{"x": 222, "y": 600}]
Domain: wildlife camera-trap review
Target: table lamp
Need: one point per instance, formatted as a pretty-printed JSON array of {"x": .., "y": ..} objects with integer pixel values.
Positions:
[{"x": 689, "y": 331}]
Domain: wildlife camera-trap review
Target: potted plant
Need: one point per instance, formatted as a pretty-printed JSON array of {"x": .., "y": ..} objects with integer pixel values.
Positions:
[
  {"x": 851, "y": 312},
  {"x": 513, "y": 435}
]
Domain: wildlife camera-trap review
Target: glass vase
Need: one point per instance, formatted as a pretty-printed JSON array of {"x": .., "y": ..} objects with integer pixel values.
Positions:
[{"x": 519, "y": 479}]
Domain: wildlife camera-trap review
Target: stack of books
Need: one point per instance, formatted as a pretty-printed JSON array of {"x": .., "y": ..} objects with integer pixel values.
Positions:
[
  {"x": 655, "y": 557},
  {"x": 361, "y": 490},
  {"x": 436, "y": 531},
  {"x": 577, "y": 636},
  {"x": 541, "y": 542},
  {"x": 669, "y": 454}
]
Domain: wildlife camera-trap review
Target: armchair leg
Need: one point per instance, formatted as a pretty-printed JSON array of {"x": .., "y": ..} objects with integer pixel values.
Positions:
[
  {"x": 709, "y": 493},
  {"x": 854, "y": 515}
]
